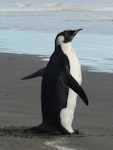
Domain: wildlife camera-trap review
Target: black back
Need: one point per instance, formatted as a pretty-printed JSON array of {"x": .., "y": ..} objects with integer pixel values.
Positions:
[{"x": 54, "y": 92}]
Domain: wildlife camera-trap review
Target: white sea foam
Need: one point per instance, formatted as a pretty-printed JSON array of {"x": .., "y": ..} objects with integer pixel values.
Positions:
[
  {"x": 60, "y": 144},
  {"x": 33, "y": 7},
  {"x": 26, "y": 25},
  {"x": 56, "y": 10}
]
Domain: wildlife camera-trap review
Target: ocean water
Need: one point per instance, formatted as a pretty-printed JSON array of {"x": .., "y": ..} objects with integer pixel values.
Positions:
[{"x": 30, "y": 27}]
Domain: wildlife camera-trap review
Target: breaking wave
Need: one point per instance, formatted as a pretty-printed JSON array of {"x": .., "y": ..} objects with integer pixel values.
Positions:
[{"x": 33, "y": 7}]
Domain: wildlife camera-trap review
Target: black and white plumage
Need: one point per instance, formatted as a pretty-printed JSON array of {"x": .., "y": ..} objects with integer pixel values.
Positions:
[{"x": 61, "y": 80}]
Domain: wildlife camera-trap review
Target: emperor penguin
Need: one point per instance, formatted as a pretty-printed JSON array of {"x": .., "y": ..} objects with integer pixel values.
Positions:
[{"x": 61, "y": 84}]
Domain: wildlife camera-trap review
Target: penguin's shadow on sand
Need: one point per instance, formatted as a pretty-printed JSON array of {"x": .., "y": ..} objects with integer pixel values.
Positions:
[{"x": 25, "y": 132}]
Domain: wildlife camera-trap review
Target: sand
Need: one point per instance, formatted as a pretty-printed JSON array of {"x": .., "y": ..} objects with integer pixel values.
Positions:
[{"x": 20, "y": 109}]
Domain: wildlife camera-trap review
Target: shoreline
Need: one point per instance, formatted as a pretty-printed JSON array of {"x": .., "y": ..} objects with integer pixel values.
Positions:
[
  {"x": 20, "y": 106},
  {"x": 45, "y": 58},
  {"x": 96, "y": 55}
]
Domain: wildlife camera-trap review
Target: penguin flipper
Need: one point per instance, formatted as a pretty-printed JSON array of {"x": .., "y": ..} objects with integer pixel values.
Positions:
[
  {"x": 74, "y": 85},
  {"x": 38, "y": 73}
]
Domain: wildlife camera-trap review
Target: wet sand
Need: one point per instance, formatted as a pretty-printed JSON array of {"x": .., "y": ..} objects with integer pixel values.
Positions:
[{"x": 20, "y": 109}]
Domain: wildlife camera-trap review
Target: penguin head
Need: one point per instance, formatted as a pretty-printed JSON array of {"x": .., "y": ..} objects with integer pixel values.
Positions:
[{"x": 66, "y": 36}]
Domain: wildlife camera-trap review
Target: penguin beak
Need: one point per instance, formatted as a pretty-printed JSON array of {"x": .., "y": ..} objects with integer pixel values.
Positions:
[{"x": 76, "y": 31}]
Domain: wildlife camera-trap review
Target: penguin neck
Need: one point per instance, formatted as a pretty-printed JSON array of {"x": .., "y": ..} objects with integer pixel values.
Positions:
[{"x": 67, "y": 48}]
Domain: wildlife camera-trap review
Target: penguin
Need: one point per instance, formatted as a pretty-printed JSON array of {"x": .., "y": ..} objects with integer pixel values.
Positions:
[{"x": 61, "y": 84}]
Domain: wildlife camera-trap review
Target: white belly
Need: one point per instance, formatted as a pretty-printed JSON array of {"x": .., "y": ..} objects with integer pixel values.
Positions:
[
  {"x": 75, "y": 71},
  {"x": 67, "y": 114}
]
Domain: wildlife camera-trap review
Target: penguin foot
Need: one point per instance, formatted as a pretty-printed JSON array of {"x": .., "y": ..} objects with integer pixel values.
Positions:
[{"x": 76, "y": 131}]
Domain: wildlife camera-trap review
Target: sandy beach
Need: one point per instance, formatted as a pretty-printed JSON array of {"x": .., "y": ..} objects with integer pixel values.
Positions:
[{"x": 20, "y": 109}]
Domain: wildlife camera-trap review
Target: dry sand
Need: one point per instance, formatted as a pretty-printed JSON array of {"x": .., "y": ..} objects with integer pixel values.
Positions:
[{"x": 20, "y": 109}]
